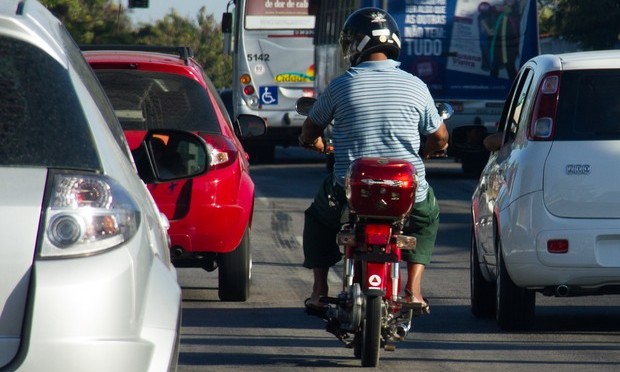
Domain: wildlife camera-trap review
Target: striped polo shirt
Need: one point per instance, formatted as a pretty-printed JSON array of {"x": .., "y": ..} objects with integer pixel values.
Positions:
[{"x": 378, "y": 110}]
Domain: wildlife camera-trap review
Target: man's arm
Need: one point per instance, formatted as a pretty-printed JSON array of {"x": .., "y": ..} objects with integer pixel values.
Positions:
[
  {"x": 493, "y": 142},
  {"x": 437, "y": 141},
  {"x": 310, "y": 136}
]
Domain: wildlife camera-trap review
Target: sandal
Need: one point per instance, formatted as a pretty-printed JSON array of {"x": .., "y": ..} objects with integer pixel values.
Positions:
[
  {"x": 311, "y": 309},
  {"x": 420, "y": 307}
]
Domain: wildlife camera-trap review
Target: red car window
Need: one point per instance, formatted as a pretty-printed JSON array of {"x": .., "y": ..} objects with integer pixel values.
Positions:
[{"x": 146, "y": 100}]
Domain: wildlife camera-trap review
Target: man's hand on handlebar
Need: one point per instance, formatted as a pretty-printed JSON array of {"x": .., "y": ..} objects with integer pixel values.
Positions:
[
  {"x": 317, "y": 145},
  {"x": 436, "y": 144},
  {"x": 310, "y": 136}
]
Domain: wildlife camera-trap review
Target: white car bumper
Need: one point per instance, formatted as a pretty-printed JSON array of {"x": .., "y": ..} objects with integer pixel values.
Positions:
[
  {"x": 125, "y": 321},
  {"x": 592, "y": 259}
]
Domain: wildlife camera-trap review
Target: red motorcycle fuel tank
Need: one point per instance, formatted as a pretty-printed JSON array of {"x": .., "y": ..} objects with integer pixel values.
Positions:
[{"x": 381, "y": 187}]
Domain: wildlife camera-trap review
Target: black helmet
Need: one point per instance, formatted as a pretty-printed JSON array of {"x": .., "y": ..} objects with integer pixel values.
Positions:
[{"x": 367, "y": 31}]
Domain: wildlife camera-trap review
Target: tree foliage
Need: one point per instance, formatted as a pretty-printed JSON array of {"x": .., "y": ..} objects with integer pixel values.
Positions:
[
  {"x": 592, "y": 24},
  {"x": 106, "y": 22},
  {"x": 204, "y": 36},
  {"x": 92, "y": 21}
]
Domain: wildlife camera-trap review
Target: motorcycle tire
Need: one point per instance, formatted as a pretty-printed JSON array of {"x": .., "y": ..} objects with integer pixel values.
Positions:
[{"x": 371, "y": 339}]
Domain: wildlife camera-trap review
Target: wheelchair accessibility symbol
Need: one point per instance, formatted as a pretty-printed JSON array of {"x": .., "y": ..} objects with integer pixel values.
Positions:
[{"x": 268, "y": 95}]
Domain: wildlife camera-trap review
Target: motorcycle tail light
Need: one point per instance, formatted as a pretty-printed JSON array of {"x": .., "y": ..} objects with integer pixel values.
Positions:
[
  {"x": 87, "y": 214},
  {"x": 222, "y": 150},
  {"x": 378, "y": 234}
]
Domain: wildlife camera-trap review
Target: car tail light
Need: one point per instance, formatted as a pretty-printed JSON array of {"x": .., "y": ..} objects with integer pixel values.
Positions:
[
  {"x": 245, "y": 79},
  {"x": 545, "y": 107},
  {"x": 557, "y": 246},
  {"x": 378, "y": 234},
  {"x": 248, "y": 90},
  {"x": 87, "y": 214},
  {"x": 223, "y": 151}
]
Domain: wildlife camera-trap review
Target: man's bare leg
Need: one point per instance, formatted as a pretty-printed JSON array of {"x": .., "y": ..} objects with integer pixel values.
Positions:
[
  {"x": 320, "y": 287},
  {"x": 415, "y": 272}
]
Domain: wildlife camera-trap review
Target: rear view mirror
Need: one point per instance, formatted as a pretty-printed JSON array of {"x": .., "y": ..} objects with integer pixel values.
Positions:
[
  {"x": 304, "y": 105},
  {"x": 445, "y": 110},
  {"x": 171, "y": 155},
  {"x": 227, "y": 27},
  {"x": 249, "y": 126},
  {"x": 227, "y": 23}
]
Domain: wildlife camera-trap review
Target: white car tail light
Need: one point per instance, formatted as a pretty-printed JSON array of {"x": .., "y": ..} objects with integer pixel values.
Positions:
[
  {"x": 544, "y": 114},
  {"x": 87, "y": 214}
]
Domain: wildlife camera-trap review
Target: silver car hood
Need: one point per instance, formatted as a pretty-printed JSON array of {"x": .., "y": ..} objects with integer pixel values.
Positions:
[
  {"x": 21, "y": 195},
  {"x": 583, "y": 183}
]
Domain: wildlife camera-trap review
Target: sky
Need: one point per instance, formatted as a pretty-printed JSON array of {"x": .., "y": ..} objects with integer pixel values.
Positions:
[{"x": 185, "y": 8}]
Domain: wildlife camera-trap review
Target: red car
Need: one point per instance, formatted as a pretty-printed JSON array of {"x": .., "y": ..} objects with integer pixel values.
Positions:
[{"x": 210, "y": 216}]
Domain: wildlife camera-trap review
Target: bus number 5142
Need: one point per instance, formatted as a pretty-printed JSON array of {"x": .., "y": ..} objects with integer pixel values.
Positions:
[{"x": 258, "y": 57}]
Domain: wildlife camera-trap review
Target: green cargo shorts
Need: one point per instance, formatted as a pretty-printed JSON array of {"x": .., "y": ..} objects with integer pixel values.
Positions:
[{"x": 322, "y": 224}]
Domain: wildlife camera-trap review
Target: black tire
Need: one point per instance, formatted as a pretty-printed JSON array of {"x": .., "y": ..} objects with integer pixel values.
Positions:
[
  {"x": 482, "y": 292},
  {"x": 515, "y": 306},
  {"x": 235, "y": 272},
  {"x": 371, "y": 340}
]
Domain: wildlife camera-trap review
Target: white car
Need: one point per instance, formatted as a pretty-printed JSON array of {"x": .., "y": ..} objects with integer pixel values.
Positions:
[
  {"x": 546, "y": 211},
  {"x": 86, "y": 279}
]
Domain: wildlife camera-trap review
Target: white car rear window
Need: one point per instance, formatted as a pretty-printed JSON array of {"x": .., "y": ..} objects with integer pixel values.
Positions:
[
  {"x": 41, "y": 120},
  {"x": 589, "y": 106}
]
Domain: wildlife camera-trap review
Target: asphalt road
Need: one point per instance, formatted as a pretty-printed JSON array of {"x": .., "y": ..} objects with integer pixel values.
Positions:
[{"x": 271, "y": 332}]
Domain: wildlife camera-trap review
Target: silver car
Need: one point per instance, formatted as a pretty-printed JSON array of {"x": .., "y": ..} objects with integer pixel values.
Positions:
[
  {"x": 86, "y": 282},
  {"x": 545, "y": 216}
]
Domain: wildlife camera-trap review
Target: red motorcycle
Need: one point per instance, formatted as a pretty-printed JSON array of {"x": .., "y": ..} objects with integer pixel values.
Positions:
[{"x": 369, "y": 314}]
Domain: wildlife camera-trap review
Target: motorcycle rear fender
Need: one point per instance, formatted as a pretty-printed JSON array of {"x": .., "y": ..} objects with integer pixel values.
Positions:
[{"x": 375, "y": 292}]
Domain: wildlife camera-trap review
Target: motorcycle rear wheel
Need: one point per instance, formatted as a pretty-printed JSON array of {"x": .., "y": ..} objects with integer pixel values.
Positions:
[{"x": 371, "y": 340}]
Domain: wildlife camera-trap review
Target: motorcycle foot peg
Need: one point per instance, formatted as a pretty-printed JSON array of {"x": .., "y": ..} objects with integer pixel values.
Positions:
[
  {"x": 330, "y": 300},
  {"x": 389, "y": 347}
]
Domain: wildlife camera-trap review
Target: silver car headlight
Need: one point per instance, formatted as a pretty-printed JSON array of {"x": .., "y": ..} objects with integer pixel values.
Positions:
[{"x": 87, "y": 214}]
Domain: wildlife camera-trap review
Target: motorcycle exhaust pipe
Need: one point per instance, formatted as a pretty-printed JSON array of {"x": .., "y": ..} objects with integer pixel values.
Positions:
[{"x": 401, "y": 330}]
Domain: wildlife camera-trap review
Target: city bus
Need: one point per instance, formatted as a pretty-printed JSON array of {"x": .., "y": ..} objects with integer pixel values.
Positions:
[
  {"x": 466, "y": 51},
  {"x": 270, "y": 42}
]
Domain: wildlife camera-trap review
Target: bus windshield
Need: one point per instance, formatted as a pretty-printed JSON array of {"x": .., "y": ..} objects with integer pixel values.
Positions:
[{"x": 278, "y": 15}]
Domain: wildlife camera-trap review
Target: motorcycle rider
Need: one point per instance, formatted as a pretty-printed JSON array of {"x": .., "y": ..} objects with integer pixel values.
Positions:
[{"x": 378, "y": 110}]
